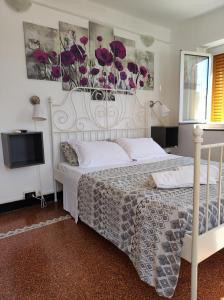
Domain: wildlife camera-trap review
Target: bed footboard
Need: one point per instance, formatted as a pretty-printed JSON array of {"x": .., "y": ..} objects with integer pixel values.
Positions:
[{"x": 206, "y": 244}]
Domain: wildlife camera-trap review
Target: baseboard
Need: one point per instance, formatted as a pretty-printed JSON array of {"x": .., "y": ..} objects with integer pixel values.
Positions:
[{"x": 5, "y": 207}]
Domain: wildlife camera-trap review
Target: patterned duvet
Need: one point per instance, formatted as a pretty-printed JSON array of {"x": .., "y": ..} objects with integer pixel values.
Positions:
[{"x": 148, "y": 224}]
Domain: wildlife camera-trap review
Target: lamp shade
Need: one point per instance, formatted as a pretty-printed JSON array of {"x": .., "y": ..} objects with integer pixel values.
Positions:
[
  {"x": 19, "y": 5},
  {"x": 164, "y": 110},
  {"x": 38, "y": 114}
]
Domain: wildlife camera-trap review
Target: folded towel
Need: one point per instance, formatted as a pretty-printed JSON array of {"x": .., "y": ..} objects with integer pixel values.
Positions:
[{"x": 184, "y": 177}]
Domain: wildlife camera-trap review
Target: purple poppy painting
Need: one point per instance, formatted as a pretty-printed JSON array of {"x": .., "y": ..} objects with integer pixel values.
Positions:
[
  {"x": 123, "y": 83},
  {"x": 74, "y": 55},
  {"x": 89, "y": 58},
  {"x": 101, "y": 58},
  {"x": 41, "y": 50},
  {"x": 145, "y": 61}
]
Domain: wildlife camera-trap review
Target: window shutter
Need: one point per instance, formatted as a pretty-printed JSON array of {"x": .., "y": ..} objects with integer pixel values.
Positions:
[{"x": 218, "y": 89}]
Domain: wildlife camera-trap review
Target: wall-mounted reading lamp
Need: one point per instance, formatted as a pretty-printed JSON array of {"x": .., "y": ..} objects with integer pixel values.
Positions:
[{"x": 163, "y": 112}]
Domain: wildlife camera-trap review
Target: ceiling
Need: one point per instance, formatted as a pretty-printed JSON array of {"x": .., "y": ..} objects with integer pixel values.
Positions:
[{"x": 163, "y": 12}]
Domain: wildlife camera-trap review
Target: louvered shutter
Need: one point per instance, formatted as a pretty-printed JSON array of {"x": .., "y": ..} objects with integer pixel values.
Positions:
[{"x": 218, "y": 89}]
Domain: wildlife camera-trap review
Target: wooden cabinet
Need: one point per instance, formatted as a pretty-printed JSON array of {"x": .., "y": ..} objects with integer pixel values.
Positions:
[{"x": 22, "y": 149}]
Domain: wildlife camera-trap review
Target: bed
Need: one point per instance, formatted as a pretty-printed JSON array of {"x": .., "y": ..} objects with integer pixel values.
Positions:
[{"x": 154, "y": 228}]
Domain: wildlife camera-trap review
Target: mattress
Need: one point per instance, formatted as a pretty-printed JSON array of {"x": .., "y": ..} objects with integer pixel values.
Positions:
[
  {"x": 148, "y": 224},
  {"x": 72, "y": 171},
  {"x": 72, "y": 174}
]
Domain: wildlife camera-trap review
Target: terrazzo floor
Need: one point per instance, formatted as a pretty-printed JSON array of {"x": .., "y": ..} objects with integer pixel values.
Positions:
[{"x": 64, "y": 260}]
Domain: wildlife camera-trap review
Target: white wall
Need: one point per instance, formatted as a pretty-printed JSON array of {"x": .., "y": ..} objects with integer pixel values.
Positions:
[
  {"x": 216, "y": 50},
  {"x": 193, "y": 35},
  {"x": 16, "y": 89},
  {"x": 186, "y": 147}
]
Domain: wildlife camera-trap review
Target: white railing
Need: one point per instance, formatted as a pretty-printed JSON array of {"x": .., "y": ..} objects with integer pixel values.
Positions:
[{"x": 198, "y": 139}]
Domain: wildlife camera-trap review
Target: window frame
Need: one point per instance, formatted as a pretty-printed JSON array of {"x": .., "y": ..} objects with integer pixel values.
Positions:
[{"x": 209, "y": 88}]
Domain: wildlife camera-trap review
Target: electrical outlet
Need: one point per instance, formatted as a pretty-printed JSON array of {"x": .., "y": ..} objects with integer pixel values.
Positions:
[{"x": 30, "y": 195}]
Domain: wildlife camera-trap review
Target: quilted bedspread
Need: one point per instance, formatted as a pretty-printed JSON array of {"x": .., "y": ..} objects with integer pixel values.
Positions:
[{"x": 148, "y": 224}]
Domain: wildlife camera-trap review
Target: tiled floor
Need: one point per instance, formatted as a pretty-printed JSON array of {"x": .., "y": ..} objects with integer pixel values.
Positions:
[
  {"x": 69, "y": 261},
  {"x": 29, "y": 215}
]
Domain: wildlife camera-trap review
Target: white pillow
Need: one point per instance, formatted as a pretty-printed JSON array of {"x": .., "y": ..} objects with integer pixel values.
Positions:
[
  {"x": 99, "y": 153},
  {"x": 141, "y": 148}
]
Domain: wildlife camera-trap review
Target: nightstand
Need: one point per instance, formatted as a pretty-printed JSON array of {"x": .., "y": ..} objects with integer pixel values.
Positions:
[
  {"x": 165, "y": 136},
  {"x": 22, "y": 149}
]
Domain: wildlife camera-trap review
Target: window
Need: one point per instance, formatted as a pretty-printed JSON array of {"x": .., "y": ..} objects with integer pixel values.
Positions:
[
  {"x": 194, "y": 87},
  {"x": 217, "y": 114}
]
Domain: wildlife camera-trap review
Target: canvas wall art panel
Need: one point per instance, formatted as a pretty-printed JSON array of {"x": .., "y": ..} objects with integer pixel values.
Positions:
[
  {"x": 74, "y": 44},
  {"x": 123, "y": 74},
  {"x": 100, "y": 37},
  {"x": 92, "y": 58},
  {"x": 41, "y": 50},
  {"x": 100, "y": 56},
  {"x": 146, "y": 59}
]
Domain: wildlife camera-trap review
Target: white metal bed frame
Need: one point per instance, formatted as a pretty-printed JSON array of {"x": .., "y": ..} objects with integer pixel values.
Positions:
[{"x": 197, "y": 247}]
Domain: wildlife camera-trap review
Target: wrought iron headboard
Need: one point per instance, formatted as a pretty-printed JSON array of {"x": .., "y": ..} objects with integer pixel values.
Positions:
[{"x": 79, "y": 117}]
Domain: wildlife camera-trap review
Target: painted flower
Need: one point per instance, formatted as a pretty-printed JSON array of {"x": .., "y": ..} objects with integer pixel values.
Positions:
[
  {"x": 78, "y": 52},
  {"x": 111, "y": 78},
  {"x": 143, "y": 71},
  {"x": 84, "y": 40},
  {"x": 123, "y": 75},
  {"x": 56, "y": 71},
  {"x": 99, "y": 38},
  {"x": 82, "y": 69},
  {"x": 118, "y": 49},
  {"x": 84, "y": 81},
  {"x": 67, "y": 58},
  {"x": 66, "y": 78},
  {"x": 52, "y": 56},
  {"x": 102, "y": 79},
  {"x": 141, "y": 83},
  {"x": 94, "y": 71},
  {"x": 107, "y": 86},
  {"x": 131, "y": 83},
  {"x": 132, "y": 67},
  {"x": 40, "y": 56},
  {"x": 118, "y": 65},
  {"x": 103, "y": 56}
]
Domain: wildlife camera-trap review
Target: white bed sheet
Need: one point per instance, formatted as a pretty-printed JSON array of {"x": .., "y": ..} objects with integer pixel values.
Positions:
[{"x": 72, "y": 175}]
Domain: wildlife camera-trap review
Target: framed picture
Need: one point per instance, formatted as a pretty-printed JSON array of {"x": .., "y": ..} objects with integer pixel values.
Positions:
[{"x": 41, "y": 50}]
